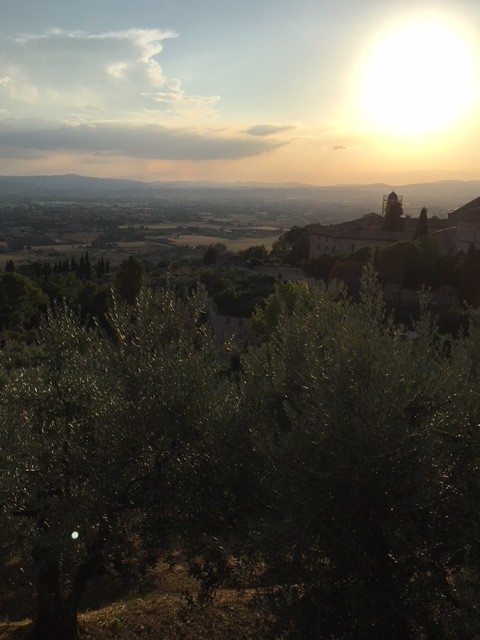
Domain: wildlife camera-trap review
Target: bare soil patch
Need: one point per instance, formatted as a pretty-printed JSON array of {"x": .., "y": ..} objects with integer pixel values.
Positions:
[{"x": 161, "y": 612}]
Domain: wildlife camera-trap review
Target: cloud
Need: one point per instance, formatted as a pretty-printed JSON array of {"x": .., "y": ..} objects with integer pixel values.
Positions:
[
  {"x": 268, "y": 129},
  {"x": 125, "y": 139},
  {"x": 174, "y": 99},
  {"x": 62, "y": 73},
  {"x": 106, "y": 95},
  {"x": 338, "y": 147}
]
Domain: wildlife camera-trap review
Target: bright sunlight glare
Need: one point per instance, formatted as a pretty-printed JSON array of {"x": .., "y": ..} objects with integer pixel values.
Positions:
[{"x": 419, "y": 79}]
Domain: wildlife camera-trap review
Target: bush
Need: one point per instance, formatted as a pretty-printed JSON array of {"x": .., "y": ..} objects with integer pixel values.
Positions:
[{"x": 364, "y": 521}]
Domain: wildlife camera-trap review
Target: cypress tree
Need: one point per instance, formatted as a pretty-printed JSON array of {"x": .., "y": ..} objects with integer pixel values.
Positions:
[
  {"x": 100, "y": 267},
  {"x": 88, "y": 269},
  {"x": 393, "y": 217},
  {"x": 81, "y": 267},
  {"x": 422, "y": 226}
]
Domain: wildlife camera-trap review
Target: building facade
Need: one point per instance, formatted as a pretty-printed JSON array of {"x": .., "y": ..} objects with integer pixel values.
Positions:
[{"x": 457, "y": 233}]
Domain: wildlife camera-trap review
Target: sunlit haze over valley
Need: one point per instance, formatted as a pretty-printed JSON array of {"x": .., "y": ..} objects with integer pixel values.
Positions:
[{"x": 268, "y": 91}]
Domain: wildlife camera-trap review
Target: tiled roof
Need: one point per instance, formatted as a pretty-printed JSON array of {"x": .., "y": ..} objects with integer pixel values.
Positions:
[
  {"x": 470, "y": 212},
  {"x": 369, "y": 227}
]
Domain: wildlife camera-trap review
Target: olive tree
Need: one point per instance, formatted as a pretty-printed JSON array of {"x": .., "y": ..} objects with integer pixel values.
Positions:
[
  {"x": 363, "y": 525},
  {"x": 97, "y": 429}
]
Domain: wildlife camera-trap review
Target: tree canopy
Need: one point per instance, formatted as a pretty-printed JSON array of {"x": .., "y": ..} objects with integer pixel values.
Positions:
[
  {"x": 97, "y": 431},
  {"x": 421, "y": 229},
  {"x": 393, "y": 216},
  {"x": 129, "y": 279},
  {"x": 365, "y": 522},
  {"x": 335, "y": 472},
  {"x": 287, "y": 297},
  {"x": 20, "y": 300}
]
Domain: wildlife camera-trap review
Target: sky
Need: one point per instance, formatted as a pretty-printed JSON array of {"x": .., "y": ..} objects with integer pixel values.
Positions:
[{"x": 313, "y": 91}]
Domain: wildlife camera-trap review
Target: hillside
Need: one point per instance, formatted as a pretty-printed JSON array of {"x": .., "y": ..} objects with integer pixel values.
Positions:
[
  {"x": 444, "y": 194},
  {"x": 158, "y": 606}
]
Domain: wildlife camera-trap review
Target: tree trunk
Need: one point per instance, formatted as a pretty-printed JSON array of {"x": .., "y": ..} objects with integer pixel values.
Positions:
[{"x": 56, "y": 617}]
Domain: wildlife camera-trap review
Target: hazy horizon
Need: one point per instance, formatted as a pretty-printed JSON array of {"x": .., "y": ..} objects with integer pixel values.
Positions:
[
  {"x": 264, "y": 91},
  {"x": 286, "y": 183}
]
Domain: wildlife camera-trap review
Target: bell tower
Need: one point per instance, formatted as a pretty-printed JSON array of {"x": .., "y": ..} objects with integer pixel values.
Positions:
[{"x": 390, "y": 199}]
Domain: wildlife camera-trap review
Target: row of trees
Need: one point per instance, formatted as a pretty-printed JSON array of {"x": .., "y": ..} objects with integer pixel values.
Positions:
[
  {"x": 411, "y": 264},
  {"x": 82, "y": 269},
  {"x": 26, "y": 293},
  {"x": 338, "y": 469}
]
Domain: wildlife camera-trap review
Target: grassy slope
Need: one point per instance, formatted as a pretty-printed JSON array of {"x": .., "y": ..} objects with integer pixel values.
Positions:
[{"x": 156, "y": 615}]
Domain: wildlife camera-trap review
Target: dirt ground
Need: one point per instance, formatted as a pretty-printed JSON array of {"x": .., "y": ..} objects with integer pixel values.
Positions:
[{"x": 161, "y": 613}]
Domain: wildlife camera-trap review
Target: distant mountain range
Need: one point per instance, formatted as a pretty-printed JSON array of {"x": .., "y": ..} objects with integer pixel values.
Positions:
[{"x": 444, "y": 194}]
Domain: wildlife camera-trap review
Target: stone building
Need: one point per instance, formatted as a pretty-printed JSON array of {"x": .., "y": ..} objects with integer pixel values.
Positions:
[{"x": 454, "y": 234}]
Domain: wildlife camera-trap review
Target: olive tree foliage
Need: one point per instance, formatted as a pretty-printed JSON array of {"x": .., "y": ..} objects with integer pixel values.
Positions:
[
  {"x": 96, "y": 431},
  {"x": 173, "y": 382},
  {"x": 365, "y": 522},
  {"x": 60, "y": 464},
  {"x": 20, "y": 301},
  {"x": 287, "y": 297}
]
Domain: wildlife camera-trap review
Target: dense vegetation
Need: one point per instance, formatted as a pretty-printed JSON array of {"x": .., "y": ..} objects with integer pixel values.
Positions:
[
  {"x": 336, "y": 473},
  {"x": 240, "y": 283}
]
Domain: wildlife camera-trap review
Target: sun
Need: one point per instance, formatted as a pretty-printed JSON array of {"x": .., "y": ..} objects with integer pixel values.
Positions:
[{"x": 419, "y": 79}]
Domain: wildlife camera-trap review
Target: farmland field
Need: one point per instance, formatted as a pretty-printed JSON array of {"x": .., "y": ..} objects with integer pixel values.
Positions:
[
  {"x": 232, "y": 244},
  {"x": 114, "y": 233}
]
